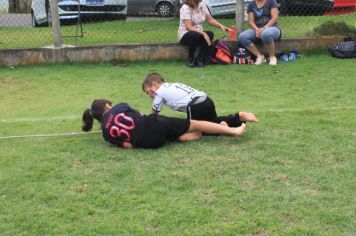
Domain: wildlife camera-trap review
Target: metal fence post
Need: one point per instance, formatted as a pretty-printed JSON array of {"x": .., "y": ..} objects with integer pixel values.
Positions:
[
  {"x": 240, "y": 16},
  {"x": 56, "y": 29}
]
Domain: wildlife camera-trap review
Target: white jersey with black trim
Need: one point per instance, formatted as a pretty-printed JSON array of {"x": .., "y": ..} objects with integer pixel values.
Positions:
[{"x": 175, "y": 95}]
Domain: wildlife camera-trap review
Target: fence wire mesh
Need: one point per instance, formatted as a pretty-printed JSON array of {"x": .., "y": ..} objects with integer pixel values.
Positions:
[{"x": 26, "y": 23}]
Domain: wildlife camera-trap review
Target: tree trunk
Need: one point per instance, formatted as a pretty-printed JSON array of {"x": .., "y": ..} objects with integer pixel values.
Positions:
[{"x": 19, "y": 6}]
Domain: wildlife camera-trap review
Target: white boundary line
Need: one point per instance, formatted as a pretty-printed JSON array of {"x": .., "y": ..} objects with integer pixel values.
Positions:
[
  {"x": 309, "y": 109},
  {"x": 43, "y": 119},
  {"x": 95, "y": 132},
  {"x": 49, "y": 135},
  {"x": 73, "y": 117},
  {"x": 298, "y": 109}
]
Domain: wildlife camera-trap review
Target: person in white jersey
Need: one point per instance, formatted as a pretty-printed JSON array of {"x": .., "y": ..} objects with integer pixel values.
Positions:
[{"x": 183, "y": 98}]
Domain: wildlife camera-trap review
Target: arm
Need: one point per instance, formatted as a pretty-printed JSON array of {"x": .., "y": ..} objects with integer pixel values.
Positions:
[
  {"x": 186, "y": 14},
  {"x": 271, "y": 22},
  {"x": 274, "y": 17},
  {"x": 189, "y": 26},
  {"x": 251, "y": 21},
  {"x": 215, "y": 23},
  {"x": 154, "y": 112},
  {"x": 126, "y": 145}
]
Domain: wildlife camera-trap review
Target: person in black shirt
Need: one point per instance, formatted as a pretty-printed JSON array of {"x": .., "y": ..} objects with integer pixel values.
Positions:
[
  {"x": 262, "y": 18},
  {"x": 127, "y": 128}
]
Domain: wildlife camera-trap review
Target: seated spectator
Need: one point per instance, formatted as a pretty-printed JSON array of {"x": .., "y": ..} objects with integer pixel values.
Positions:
[
  {"x": 193, "y": 13},
  {"x": 262, "y": 17}
]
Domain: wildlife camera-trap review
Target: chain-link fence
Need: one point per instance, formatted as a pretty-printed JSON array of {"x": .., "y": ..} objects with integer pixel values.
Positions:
[{"x": 25, "y": 23}]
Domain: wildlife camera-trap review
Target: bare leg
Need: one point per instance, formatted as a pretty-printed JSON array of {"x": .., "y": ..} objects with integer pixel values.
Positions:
[
  {"x": 272, "y": 53},
  {"x": 260, "y": 58},
  {"x": 253, "y": 49},
  {"x": 223, "y": 123},
  {"x": 247, "y": 116},
  {"x": 213, "y": 128},
  {"x": 192, "y": 136},
  {"x": 270, "y": 49}
]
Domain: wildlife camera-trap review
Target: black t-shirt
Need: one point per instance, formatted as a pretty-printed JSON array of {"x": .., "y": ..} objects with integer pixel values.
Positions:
[
  {"x": 262, "y": 15},
  {"x": 123, "y": 124}
]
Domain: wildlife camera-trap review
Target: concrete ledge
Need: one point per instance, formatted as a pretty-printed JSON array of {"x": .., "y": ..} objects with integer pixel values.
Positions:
[{"x": 163, "y": 51}]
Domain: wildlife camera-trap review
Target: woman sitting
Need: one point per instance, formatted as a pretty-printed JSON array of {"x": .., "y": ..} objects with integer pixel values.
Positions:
[
  {"x": 262, "y": 17},
  {"x": 193, "y": 13}
]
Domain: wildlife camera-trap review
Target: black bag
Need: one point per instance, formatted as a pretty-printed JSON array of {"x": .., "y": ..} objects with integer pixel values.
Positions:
[
  {"x": 242, "y": 56},
  {"x": 345, "y": 49}
]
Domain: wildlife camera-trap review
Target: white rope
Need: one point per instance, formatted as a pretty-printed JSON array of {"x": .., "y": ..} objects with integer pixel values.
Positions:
[
  {"x": 309, "y": 109},
  {"x": 95, "y": 132},
  {"x": 49, "y": 135},
  {"x": 73, "y": 117},
  {"x": 41, "y": 119},
  {"x": 299, "y": 109}
]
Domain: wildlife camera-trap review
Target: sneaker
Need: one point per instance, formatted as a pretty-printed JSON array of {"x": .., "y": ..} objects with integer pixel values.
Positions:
[
  {"x": 190, "y": 62},
  {"x": 283, "y": 57},
  {"x": 293, "y": 55},
  {"x": 272, "y": 61},
  {"x": 260, "y": 60},
  {"x": 199, "y": 63}
]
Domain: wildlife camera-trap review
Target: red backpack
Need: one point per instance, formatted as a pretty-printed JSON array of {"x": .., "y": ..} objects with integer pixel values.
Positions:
[{"x": 220, "y": 53}]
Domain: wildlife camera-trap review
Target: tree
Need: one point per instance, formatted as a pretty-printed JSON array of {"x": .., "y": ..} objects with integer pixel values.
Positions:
[{"x": 19, "y": 6}]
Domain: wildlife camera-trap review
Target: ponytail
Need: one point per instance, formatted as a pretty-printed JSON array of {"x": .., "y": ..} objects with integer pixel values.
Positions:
[
  {"x": 87, "y": 120},
  {"x": 96, "y": 111}
]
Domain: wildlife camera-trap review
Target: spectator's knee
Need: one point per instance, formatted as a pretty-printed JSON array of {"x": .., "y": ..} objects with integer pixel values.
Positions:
[
  {"x": 267, "y": 38},
  {"x": 244, "y": 41},
  {"x": 210, "y": 34}
]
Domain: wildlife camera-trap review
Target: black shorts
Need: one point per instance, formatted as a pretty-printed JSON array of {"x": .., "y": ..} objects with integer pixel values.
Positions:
[
  {"x": 206, "y": 111},
  {"x": 159, "y": 129}
]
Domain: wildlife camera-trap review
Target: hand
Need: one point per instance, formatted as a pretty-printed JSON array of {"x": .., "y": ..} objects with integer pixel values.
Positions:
[
  {"x": 225, "y": 29},
  {"x": 207, "y": 39},
  {"x": 126, "y": 145},
  {"x": 259, "y": 32}
]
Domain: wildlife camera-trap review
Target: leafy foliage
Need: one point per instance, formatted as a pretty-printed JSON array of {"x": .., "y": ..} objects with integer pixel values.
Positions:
[
  {"x": 291, "y": 174},
  {"x": 334, "y": 28}
]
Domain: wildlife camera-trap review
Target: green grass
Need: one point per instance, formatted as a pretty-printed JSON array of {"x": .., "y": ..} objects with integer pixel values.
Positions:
[
  {"x": 293, "y": 173},
  {"x": 145, "y": 31}
]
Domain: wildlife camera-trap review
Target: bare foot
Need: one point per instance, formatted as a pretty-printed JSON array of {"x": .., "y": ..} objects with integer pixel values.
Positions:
[
  {"x": 223, "y": 123},
  {"x": 247, "y": 116},
  {"x": 239, "y": 131}
]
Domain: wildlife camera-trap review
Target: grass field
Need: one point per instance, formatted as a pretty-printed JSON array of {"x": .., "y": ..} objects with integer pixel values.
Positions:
[
  {"x": 293, "y": 173},
  {"x": 146, "y": 31}
]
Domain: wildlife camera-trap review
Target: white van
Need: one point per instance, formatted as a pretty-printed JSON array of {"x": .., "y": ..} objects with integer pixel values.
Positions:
[
  {"x": 224, "y": 7},
  {"x": 72, "y": 9}
]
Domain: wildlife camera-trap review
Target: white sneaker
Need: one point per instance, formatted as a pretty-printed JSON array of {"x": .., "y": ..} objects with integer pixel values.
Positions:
[
  {"x": 260, "y": 60},
  {"x": 272, "y": 61}
]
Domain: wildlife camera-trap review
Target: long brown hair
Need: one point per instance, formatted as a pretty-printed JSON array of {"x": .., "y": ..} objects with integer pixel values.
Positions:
[
  {"x": 95, "y": 111},
  {"x": 192, "y": 3}
]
